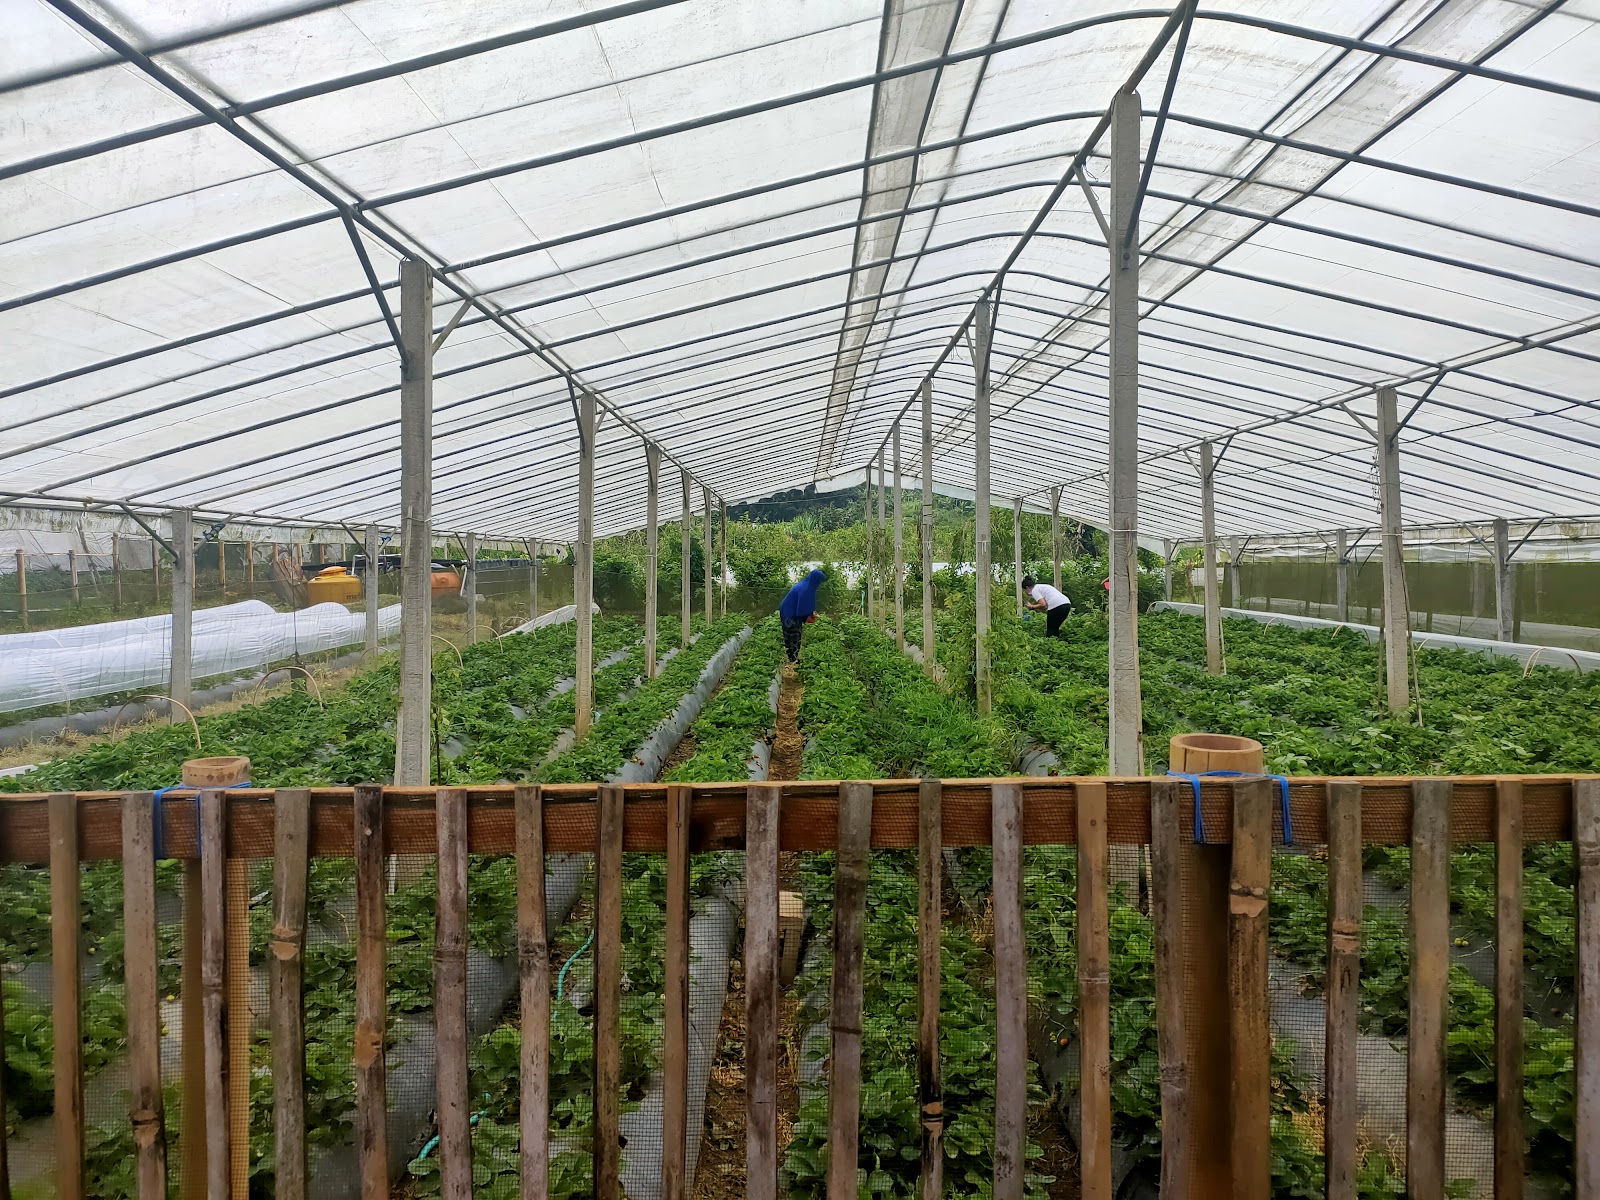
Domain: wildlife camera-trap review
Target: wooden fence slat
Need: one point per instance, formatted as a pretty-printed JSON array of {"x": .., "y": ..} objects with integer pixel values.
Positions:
[
  {"x": 450, "y": 998},
  {"x": 675, "y": 1029},
  {"x": 192, "y": 1139},
  {"x": 142, "y": 986},
  {"x": 1430, "y": 977},
  {"x": 1249, "y": 1017},
  {"x": 371, "y": 999},
  {"x": 5, "y": 1161},
  {"x": 761, "y": 992},
  {"x": 1509, "y": 1167},
  {"x": 1094, "y": 994},
  {"x": 1010, "y": 998},
  {"x": 608, "y": 996},
  {"x": 1343, "y": 991},
  {"x": 533, "y": 961},
  {"x": 844, "y": 1021},
  {"x": 214, "y": 990},
  {"x": 1166, "y": 878},
  {"x": 290, "y": 880},
  {"x": 930, "y": 923},
  {"x": 67, "y": 1003},
  {"x": 1586, "y": 839}
]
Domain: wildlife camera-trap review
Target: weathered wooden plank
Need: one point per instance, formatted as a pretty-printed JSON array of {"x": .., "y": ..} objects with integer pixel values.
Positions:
[
  {"x": 761, "y": 993},
  {"x": 1430, "y": 976},
  {"x": 675, "y": 1030},
  {"x": 608, "y": 996},
  {"x": 1249, "y": 1014},
  {"x": 214, "y": 991},
  {"x": 1166, "y": 877},
  {"x": 533, "y": 964},
  {"x": 450, "y": 998},
  {"x": 67, "y": 1005},
  {"x": 1011, "y": 998},
  {"x": 1094, "y": 994},
  {"x": 1586, "y": 839},
  {"x": 147, "y": 1108},
  {"x": 237, "y": 971},
  {"x": 371, "y": 1001},
  {"x": 849, "y": 920},
  {"x": 290, "y": 864},
  {"x": 930, "y": 923},
  {"x": 192, "y": 1142},
  {"x": 1509, "y": 1165},
  {"x": 1343, "y": 990}
]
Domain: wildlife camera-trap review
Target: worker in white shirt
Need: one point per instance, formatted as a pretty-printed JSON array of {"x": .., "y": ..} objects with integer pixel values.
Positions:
[{"x": 1052, "y": 602}]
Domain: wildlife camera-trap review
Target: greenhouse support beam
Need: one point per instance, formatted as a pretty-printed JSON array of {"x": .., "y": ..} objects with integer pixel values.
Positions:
[
  {"x": 1341, "y": 575},
  {"x": 705, "y": 543},
  {"x": 370, "y": 586},
  {"x": 869, "y": 584},
  {"x": 533, "y": 578},
  {"x": 685, "y": 534},
  {"x": 180, "y": 678},
  {"x": 1055, "y": 535},
  {"x": 1016, "y": 550},
  {"x": 1236, "y": 547},
  {"x": 413, "y": 728},
  {"x": 1168, "y": 549},
  {"x": 469, "y": 584},
  {"x": 1208, "y": 562},
  {"x": 927, "y": 527},
  {"x": 899, "y": 550},
  {"x": 722, "y": 535},
  {"x": 1396, "y": 604},
  {"x": 1505, "y": 594},
  {"x": 982, "y": 326},
  {"x": 583, "y": 565},
  {"x": 1123, "y": 448},
  {"x": 652, "y": 552}
]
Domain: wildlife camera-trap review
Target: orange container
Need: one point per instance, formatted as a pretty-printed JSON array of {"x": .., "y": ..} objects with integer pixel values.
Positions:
[{"x": 446, "y": 582}]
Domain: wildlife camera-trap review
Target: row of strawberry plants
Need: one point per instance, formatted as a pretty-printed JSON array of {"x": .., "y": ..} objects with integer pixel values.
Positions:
[{"x": 739, "y": 713}]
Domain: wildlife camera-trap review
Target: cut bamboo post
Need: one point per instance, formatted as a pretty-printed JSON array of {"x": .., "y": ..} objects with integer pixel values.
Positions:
[
  {"x": 1166, "y": 878},
  {"x": 761, "y": 991},
  {"x": 5, "y": 1158},
  {"x": 849, "y": 920},
  {"x": 147, "y": 1109},
  {"x": 1094, "y": 994},
  {"x": 1010, "y": 996},
  {"x": 1250, "y": 1025},
  {"x": 22, "y": 587},
  {"x": 1430, "y": 977},
  {"x": 1343, "y": 990},
  {"x": 533, "y": 963},
  {"x": 290, "y": 862},
  {"x": 450, "y": 997},
  {"x": 675, "y": 1029},
  {"x": 222, "y": 568},
  {"x": 1509, "y": 1165},
  {"x": 371, "y": 1004},
  {"x": 214, "y": 991},
  {"x": 66, "y": 953},
  {"x": 1586, "y": 1018},
  {"x": 930, "y": 923},
  {"x": 116, "y": 570},
  {"x": 608, "y": 994},
  {"x": 72, "y": 575}
]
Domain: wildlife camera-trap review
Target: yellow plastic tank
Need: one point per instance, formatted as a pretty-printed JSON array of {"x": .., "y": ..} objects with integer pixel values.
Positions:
[{"x": 333, "y": 584}]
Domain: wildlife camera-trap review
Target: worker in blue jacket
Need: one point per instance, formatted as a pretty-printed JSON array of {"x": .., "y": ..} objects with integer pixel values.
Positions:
[{"x": 799, "y": 607}]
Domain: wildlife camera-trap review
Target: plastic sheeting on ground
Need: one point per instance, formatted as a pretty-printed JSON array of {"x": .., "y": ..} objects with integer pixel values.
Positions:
[{"x": 64, "y": 665}]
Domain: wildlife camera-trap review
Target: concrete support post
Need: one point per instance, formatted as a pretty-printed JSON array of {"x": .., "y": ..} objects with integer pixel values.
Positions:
[
  {"x": 705, "y": 546},
  {"x": 652, "y": 553},
  {"x": 1168, "y": 549},
  {"x": 155, "y": 570},
  {"x": 533, "y": 579},
  {"x": 72, "y": 574},
  {"x": 927, "y": 527},
  {"x": 1341, "y": 575},
  {"x": 583, "y": 567},
  {"x": 899, "y": 551},
  {"x": 1126, "y": 739},
  {"x": 1235, "y": 561},
  {"x": 982, "y": 325},
  {"x": 1016, "y": 550},
  {"x": 722, "y": 541},
  {"x": 1505, "y": 590},
  {"x": 1055, "y": 536},
  {"x": 1208, "y": 562},
  {"x": 878, "y": 541},
  {"x": 22, "y": 586},
  {"x": 686, "y": 532},
  {"x": 469, "y": 584},
  {"x": 414, "y": 726},
  {"x": 116, "y": 570},
  {"x": 869, "y": 583},
  {"x": 1396, "y": 606},
  {"x": 180, "y": 678},
  {"x": 370, "y": 584}
]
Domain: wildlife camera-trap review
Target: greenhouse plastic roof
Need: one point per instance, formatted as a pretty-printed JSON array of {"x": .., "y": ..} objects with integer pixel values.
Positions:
[{"x": 752, "y": 229}]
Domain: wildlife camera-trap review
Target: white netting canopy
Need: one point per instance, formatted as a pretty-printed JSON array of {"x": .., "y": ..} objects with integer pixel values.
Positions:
[{"x": 753, "y": 229}]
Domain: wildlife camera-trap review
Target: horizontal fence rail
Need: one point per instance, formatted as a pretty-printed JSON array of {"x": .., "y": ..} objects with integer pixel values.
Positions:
[{"x": 1242, "y": 818}]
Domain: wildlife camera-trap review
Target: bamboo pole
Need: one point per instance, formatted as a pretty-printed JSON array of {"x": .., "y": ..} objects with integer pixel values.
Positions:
[
  {"x": 450, "y": 998},
  {"x": 1166, "y": 877},
  {"x": 1011, "y": 998},
  {"x": 1343, "y": 990},
  {"x": 675, "y": 997},
  {"x": 214, "y": 889},
  {"x": 1430, "y": 979},
  {"x": 762, "y": 991},
  {"x": 533, "y": 964},
  {"x": 1094, "y": 993},
  {"x": 1509, "y": 1165},
  {"x": 142, "y": 988},
  {"x": 66, "y": 950},
  {"x": 608, "y": 994},
  {"x": 1250, "y": 1024},
  {"x": 371, "y": 1002},
  {"x": 899, "y": 550},
  {"x": 291, "y": 850},
  {"x": 849, "y": 918},
  {"x": 1586, "y": 1017},
  {"x": 930, "y": 923}
]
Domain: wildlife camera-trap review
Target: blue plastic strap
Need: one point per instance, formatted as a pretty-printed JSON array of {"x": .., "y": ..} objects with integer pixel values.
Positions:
[
  {"x": 1199, "y": 821},
  {"x": 159, "y": 838}
]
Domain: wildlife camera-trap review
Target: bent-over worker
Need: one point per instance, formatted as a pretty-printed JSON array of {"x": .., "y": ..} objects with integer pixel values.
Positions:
[
  {"x": 1052, "y": 602},
  {"x": 799, "y": 607}
]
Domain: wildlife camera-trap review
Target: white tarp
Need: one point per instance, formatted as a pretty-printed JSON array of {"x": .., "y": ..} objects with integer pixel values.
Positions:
[{"x": 66, "y": 665}]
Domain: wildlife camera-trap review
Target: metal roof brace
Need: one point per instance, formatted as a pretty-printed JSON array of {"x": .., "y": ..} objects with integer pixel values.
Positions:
[{"x": 140, "y": 522}]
